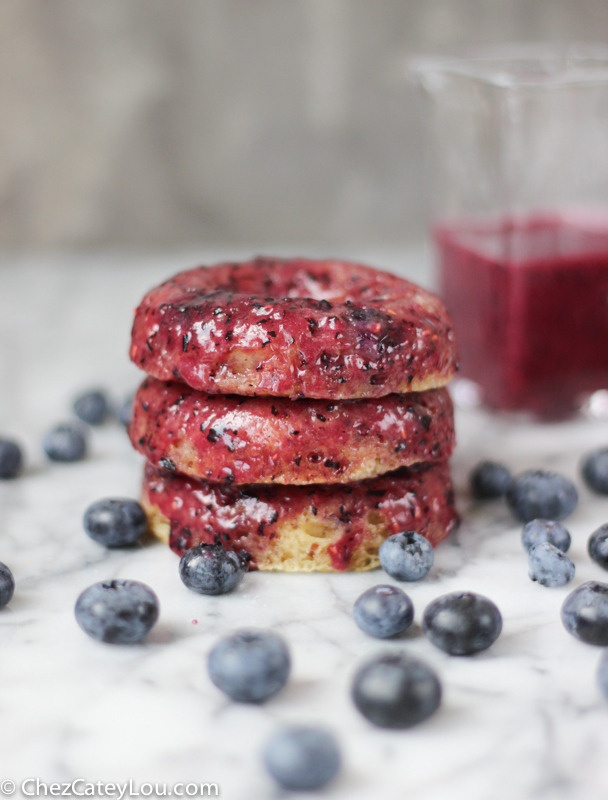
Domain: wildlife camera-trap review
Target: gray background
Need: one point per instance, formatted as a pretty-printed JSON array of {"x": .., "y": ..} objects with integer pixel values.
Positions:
[{"x": 171, "y": 123}]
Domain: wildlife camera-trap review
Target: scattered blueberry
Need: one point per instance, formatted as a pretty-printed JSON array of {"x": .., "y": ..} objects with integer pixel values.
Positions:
[
  {"x": 115, "y": 522},
  {"x": 210, "y": 569},
  {"x": 462, "y": 623},
  {"x": 126, "y": 412},
  {"x": 598, "y": 546},
  {"x": 10, "y": 459},
  {"x": 302, "y": 758},
  {"x": 490, "y": 480},
  {"x": 7, "y": 585},
  {"x": 594, "y": 470},
  {"x": 545, "y": 530},
  {"x": 250, "y": 665},
  {"x": 91, "y": 407},
  {"x": 549, "y": 566},
  {"x": 119, "y": 612},
  {"x": 585, "y": 613},
  {"x": 65, "y": 443},
  {"x": 537, "y": 494},
  {"x": 395, "y": 690},
  {"x": 406, "y": 556},
  {"x": 383, "y": 611},
  {"x": 602, "y": 673}
]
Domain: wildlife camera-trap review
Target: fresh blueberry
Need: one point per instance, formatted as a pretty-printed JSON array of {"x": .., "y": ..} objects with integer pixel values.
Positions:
[
  {"x": 462, "y": 623},
  {"x": 602, "y": 673},
  {"x": 537, "y": 494},
  {"x": 7, "y": 585},
  {"x": 383, "y": 611},
  {"x": 10, "y": 459},
  {"x": 545, "y": 530},
  {"x": 115, "y": 522},
  {"x": 210, "y": 569},
  {"x": 126, "y": 412},
  {"x": 406, "y": 556},
  {"x": 119, "y": 612},
  {"x": 490, "y": 480},
  {"x": 65, "y": 443},
  {"x": 585, "y": 613},
  {"x": 250, "y": 665},
  {"x": 594, "y": 470},
  {"x": 598, "y": 546},
  {"x": 395, "y": 690},
  {"x": 549, "y": 566},
  {"x": 91, "y": 407},
  {"x": 301, "y": 759}
]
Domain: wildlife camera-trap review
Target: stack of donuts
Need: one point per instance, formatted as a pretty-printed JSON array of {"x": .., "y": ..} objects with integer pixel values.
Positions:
[{"x": 294, "y": 410}]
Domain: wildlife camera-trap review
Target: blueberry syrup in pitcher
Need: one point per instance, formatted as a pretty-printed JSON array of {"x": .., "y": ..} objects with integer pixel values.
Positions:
[{"x": 529, "y": 303}]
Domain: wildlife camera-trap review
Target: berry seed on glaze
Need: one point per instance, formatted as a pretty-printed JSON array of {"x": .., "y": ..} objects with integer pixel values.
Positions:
[
  {"x": 301, "y": 528},
  {"x": 277, "y": 440},
  {"x": 294, "y": 328}
]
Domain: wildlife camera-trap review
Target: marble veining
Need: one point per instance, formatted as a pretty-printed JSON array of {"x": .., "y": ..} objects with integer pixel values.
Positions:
[{"x": 522, "y": 720}]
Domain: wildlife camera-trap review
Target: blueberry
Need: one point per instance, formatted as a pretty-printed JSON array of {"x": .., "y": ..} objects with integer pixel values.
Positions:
[
  {"x": 7, "y": 585},
  {"x": 462, "y": 623},
  {"x": 549, "y": 566},
  {"x": 594, "y": 470},
  {"x": 395, "y": 690},
  {"x": 302, "y": 758},
  {"x": 490, "y": 480},
  {"x": 65, "y": 443},
  {"x": 120, "y": 612},
  {"x": 602, "y": 673},
  {"x": 91, "y": 407},
  {"x": 250, "y": 665},
  {"x": 545, "y": 530},
  {"x": 126, "y": 412},
  {"x": 115, "y": 522},
  {"x": 11, "y": 459},
  {"x": 537, "y": 494},
  {"x": 598, "y": 546},
  {"x": 406, "y": 556},
  {"x": 209, "y": 569},
  {"x": 383, "y": 611},
  {"x": 585, "y": 613}
]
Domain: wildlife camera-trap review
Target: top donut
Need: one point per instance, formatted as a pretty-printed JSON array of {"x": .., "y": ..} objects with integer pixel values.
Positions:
[{"x": 294, "y": 328}]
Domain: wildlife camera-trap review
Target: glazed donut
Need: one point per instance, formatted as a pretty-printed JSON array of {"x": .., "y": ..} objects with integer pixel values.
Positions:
[
  {"x": 301, "y": 528},
  {"x": 294, "y": 328},
  {"x": 276, "y": 440}
]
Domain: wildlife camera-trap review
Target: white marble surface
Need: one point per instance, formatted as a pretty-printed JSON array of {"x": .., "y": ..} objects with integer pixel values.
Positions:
[{"x": 522, "y": 720}]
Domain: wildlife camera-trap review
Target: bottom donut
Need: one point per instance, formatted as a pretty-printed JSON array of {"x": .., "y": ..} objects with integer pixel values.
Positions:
[{"x": 322, "y": 527}]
